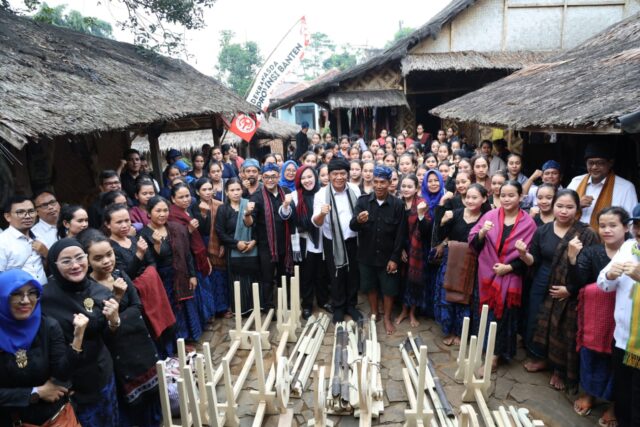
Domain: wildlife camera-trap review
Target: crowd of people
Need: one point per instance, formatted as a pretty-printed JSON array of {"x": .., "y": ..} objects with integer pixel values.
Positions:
[{"x": 91, "y": 297}]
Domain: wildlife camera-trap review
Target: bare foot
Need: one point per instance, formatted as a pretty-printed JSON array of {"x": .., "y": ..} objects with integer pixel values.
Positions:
[
  {"x": 388, "y": 325},
  {"x": 534, "y": 365},
  {"x": 608, "y": 417},
  {"x": 413, "y": 321},
  {"x": 403, "y": 315},
  {"x": 448, "y": 340},
  {"x": 456, "y": 341},
  {"x": 494, "y": 364},
  {"x": 583, "y": 405},
  {"x": 556, "y": 381}
]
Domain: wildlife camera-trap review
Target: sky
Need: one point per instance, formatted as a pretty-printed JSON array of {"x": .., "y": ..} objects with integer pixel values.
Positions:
[{"x": 358, "y": 22}]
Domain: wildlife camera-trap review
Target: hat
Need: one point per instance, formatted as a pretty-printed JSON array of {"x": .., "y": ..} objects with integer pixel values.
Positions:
[
  {"x": 635, "y": 215},
  {"x": 250, "y": 163},
  {"x": 384, "y": 172},
  {"x": 183, "y": 166},
  {"x": 338, "y": 163},
  {"x": 173, "y": 153},
  {"x": 269, "y": 167},
  {"x": 550, "y": 164},
  {"x": 600, "y": 150},
  {"x": 304, "y": 125}
]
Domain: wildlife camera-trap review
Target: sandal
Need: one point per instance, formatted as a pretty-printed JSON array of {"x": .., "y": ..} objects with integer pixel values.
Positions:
[
  {"x": 584, "y": 411},
  {"x": 611, "y": 422}
]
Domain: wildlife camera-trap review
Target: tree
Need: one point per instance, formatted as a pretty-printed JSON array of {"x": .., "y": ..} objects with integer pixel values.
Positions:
[
  {"x": 237, "y": 63},
  {"x": 400, "y": 34},
  {"x": 73, "y": 20},
  {"x": 322, "y": 55},
  {"x": 341, "y": 61},
  {"x": 156, "y": 24}
]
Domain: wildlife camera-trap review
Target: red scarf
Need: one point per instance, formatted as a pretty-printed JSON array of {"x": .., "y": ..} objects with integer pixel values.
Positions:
[
  {"x": 415, "y": 267},
  {"x": 269, "y": 220},
  {"x": 498, "y": 291},
  {"x": 198, "y": 249}
]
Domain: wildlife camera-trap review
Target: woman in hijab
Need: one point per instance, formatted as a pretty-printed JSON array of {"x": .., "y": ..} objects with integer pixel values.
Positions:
[
  {"x": 32, "y": 353},
  {"x": 314, "y": 270},
  {"x": 288, "y": 177},
  {"x": 432, "y": 192},
  {"x": 68, "y": 293}
]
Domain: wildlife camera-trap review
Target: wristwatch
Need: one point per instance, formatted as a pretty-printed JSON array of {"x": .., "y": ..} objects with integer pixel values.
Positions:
[{"x": 34, "y": 397}]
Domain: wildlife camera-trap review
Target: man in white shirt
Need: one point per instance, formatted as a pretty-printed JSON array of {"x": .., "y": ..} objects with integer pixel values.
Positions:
[
  {"x": 18, "y": 246},
  {"x": 48, "y": 210},
  {"x": 333, "y": 208},
  {"x": 590, "y": 186}
]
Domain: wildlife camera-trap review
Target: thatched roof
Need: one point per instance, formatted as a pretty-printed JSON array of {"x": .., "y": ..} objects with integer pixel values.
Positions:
[
  {"x": 56, "y": 82},
  {"x": 367, "y": 98},
  {"x": 470, "y": 60},
  {"x": 193, "y": 140},
  {"x": 586, "y": 88},
  {"x": 393, "y": 54}
]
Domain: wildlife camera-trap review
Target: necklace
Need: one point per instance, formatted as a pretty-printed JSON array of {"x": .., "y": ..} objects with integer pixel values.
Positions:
[{"x": 21, "y": 358}]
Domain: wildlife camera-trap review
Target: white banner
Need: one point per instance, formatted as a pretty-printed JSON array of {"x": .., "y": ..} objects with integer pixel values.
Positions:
[{"x": 284, "y": 59}]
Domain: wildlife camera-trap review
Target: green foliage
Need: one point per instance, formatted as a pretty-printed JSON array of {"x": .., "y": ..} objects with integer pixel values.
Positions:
[
  {"x": 341, "y": 61},
  {"x": 401, "y": 33},
  {"x": 156, "y": 24},
  {"x": 322, "y": 54},
  {"x": 73, "y": 20},
  {"x": 237, "y": 62}
]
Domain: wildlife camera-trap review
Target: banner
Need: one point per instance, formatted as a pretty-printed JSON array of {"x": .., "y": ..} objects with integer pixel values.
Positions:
[
  {"x": 284, "y": 59},
  {"x": 244, "y": 126}
]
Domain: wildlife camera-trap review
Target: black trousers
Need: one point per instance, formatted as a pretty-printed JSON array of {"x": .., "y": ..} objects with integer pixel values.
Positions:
[
  {"x": 345, "y": 281},
  {"x": 314, "y": 281},
  {"x": 626, "y": 391},
  {"x": 269, "y": 273}
]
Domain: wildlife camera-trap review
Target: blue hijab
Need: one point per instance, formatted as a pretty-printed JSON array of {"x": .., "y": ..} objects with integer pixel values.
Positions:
[
  {"x": 286, "y": 183},
  {"x": 17, "y": 334},
  {"x": 432, "y": 199}
]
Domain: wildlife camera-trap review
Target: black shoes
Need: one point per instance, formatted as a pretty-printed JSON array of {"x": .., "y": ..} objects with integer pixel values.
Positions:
[
  {"x": 328, "y": 308},
  {"x": 338, "y": 315},
  {"x": 354, "y": 313},
  {"x": 306, "y": 313}
]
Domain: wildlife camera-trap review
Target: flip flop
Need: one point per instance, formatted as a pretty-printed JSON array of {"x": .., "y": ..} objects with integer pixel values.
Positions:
[
  {"x": 612, "y": 422},
  {"x": 583, "y": 412}
]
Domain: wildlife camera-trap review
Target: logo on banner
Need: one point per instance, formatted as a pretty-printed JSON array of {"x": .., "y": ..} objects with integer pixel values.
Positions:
[{"x": 244, "y": 126}]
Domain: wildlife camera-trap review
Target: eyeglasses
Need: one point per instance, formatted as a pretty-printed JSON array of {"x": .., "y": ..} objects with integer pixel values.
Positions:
[
  {"x": 22, "y": 213},
  {"x": 49, "y": 204},
  {"x": 596, "y": 163},
  {"x": 269, "y": 177},
  {"x": 68, "y": 262},
  {"x": 109, "y": 183},
  {"x": 33, "y": 295}
]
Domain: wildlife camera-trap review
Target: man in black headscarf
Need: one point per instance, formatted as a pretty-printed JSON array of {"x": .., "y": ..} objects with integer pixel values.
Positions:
[{"x": 333, "y": 208}]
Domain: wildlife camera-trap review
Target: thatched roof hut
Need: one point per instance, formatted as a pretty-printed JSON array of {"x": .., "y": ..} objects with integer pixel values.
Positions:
[
  {"x": 391, "y": 55},
  {"x": 588, "y": 89},
  {"x": 57, "y": 82}
]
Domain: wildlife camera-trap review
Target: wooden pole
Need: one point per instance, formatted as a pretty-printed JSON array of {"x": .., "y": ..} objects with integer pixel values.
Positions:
[{"x": 156, "y": 159}]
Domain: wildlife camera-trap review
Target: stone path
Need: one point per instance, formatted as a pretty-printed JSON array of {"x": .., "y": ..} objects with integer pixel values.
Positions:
[{"x": 512, "y": 384}]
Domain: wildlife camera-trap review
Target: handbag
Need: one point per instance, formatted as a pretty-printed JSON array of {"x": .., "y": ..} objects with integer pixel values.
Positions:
[{"x": 65, "y": 417}]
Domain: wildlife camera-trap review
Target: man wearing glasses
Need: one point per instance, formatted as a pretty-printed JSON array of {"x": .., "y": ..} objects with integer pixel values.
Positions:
[
  {"x": 272, "y": 211},
  {"x": 48, "y": 210},
  {"x": 18, "y": 246},
  {"x": 600, "y": 187}
]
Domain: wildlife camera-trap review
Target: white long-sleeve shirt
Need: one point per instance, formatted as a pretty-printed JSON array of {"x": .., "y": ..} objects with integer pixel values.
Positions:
[
  {"x": 344, "y": 210},
  {"x": 624, "y": 194},
  {"x": 622, "y": 286}
]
